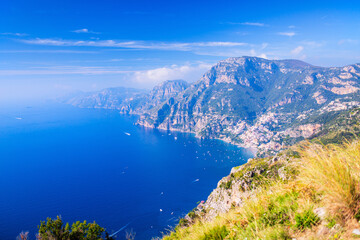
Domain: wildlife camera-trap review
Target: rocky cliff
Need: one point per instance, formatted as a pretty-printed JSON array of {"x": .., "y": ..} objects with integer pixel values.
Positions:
[
  {"x": 259, "y": 103},
  {"x": 248, "y": 101}
]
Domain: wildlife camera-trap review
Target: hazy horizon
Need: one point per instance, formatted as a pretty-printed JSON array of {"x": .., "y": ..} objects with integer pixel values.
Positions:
[{"x": 53, "y": 48}]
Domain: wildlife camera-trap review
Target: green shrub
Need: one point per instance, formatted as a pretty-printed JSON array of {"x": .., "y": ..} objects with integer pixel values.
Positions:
[
  {"x": 331, "y": 223},
  {"x": 306, "y": 219},
  {"x": 192, "y": 214},
  {"x": 357, "y": 215},
  {"x": 183, "y": 222},
  {"x": 274, "y": 216},
  {"x": 279, "y": 210},
  {"x": 226, "y": 185},
  {"x": 55, "y": 229},
  {"x": 216, "y": 233}
]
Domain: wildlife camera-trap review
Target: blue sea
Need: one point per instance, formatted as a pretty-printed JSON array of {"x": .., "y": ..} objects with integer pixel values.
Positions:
[{"x": 97, "y": 165}]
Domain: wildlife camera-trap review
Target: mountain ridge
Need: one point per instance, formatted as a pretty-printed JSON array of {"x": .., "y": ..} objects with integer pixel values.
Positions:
[
  {"x": 251, "y": 102},
  {"x": 247, "y": 100}
]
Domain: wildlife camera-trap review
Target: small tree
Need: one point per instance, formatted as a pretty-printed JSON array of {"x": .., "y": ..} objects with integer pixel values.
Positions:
[{"x": 54, "y": 229}]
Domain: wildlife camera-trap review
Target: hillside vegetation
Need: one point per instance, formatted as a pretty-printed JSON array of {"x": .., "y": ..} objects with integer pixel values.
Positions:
[
  {"x": 319, "y": 200},
  {"x": 308, "y": 191}
]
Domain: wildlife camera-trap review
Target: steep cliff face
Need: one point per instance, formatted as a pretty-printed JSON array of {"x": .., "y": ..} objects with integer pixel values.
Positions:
[
  {"x": 258, "y": 103},
  {"x": 166, "y": 90},
  {"x": 163, "y": 92},
  {"x": 248, "y": 101},
  {"x": 242, "y": 184}
]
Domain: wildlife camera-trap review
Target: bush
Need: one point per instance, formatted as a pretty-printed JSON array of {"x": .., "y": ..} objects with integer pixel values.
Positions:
[
  {"x": 183, "y": 222},
  {"x": 55, "y": 229},
  {"x": 331, "y": 223},
  {"x": 306, "y": 219},
  {"x": 279, "y": 209},
  {"x": 226, "y": 185},
  {"x": 216, "y": 233}
]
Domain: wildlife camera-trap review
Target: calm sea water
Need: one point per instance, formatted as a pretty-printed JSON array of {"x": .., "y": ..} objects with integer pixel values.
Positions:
[{"x": 91, "y": 164}]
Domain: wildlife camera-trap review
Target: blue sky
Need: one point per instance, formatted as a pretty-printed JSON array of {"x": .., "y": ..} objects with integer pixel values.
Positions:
[{"x": 53, "y": 47}]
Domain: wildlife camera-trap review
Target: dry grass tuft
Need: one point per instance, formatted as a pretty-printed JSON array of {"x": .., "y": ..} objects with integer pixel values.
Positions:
[{"x": 334, "y": 171}]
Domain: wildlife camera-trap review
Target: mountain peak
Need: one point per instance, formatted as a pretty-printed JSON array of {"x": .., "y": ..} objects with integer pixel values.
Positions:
[
  {"x": 290, "y": 63},
  {"x": 168, "y": 89}
]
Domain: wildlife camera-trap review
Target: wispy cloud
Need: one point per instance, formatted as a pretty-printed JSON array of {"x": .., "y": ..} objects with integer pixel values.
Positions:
[
  {"x": 348, "y": 40},
  {"x": 67, "y": 70},
  {"x": 188, "y": 72},
  {"x": 289, "y": 34},
  {"x": 297, "y": 50},
  {"x": 46, "y": 51},
  {"x": 133, "y": 44},
  {"x": 85, "y": 30},
  {"x": 256, "y": 24},
  {"x": 15, "y": 34},
  {"x": 149, "y": 77},
  {"x": 314, "y": 44}
]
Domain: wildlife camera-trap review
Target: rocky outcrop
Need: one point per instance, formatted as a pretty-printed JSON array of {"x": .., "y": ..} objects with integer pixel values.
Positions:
[{"x": 241, "y": 184}]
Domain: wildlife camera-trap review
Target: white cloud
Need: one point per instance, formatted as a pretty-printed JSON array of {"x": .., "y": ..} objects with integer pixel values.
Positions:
[
  {"x": 46, "y": 51},
  {"x": 313, "y": 43},
  {"x": 143, "y": 78},
  {"x": 132, "y": 44},
  {"x": 264, "y": 45},
  {"x": 256, "y": 24},
  {"x": 289, "y": 34},
  {"x": 291, "y": 26},
  {"x": 263, "y": 56},
  {"x": 348, "y": 40},
  {"x": 157, "y": 75},
  {"x": 61, "y": 70},
  {"x": 15, "y": 34},
  {"x": 85, "y": 30},
  {"x": 297, "y": 50}
]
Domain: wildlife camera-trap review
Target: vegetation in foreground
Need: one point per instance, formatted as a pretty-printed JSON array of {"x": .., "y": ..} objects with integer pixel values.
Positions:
[
  {"x": 55, "y": 229},
  {"x": 320, "y": 201}
]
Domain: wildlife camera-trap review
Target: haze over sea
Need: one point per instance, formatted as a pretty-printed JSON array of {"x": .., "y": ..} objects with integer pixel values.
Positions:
[{"x": 96, "y": 165}]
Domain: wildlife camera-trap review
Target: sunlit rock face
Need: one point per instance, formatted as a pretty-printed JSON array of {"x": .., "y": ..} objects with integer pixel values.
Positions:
[
  {"x": 255, "y": 102},
  {"x": 249, "y": 101}
]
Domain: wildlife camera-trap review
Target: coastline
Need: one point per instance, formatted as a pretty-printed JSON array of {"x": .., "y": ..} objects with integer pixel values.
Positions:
[{"x": 251, "y": 149}]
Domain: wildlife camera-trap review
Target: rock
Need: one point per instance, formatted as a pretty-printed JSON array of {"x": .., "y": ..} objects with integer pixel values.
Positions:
[
  {"x": 320, "y": 212},
  {"x": 356, "y": 232},
  {"x": 273, "y": 160},
  {"x": 282, "y": 173}
]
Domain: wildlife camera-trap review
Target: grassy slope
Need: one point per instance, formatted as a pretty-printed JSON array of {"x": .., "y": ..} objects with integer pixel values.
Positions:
[{"x": 320, "y": 199}]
